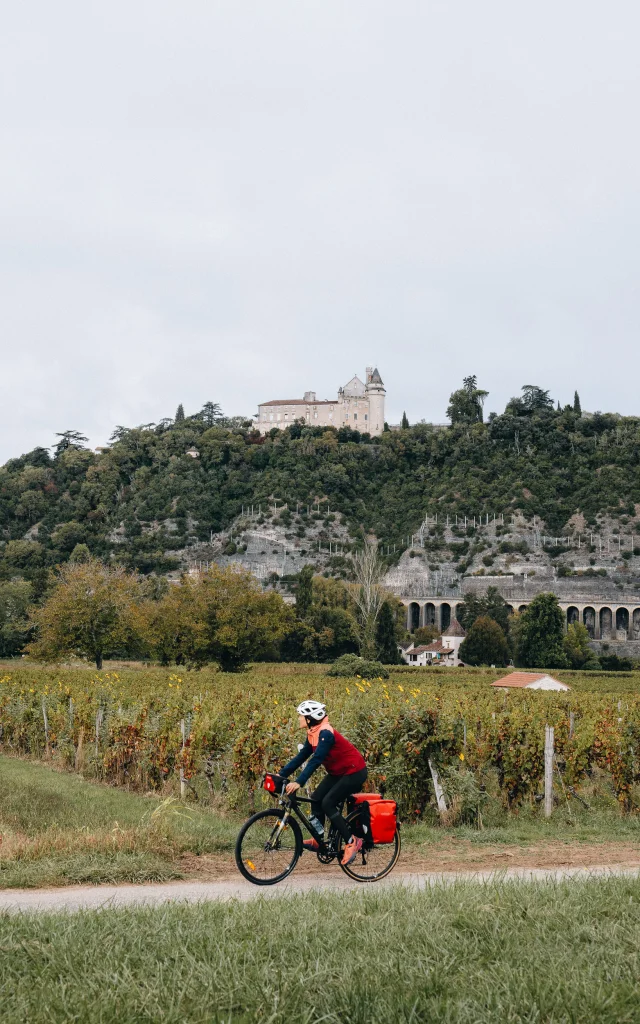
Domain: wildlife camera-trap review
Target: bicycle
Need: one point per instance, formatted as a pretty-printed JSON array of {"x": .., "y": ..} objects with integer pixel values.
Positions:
[{"x": 269, "y": 844}]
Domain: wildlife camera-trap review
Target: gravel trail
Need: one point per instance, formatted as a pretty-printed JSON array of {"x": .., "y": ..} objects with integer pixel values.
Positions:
[{"x": 97, "y": 897}]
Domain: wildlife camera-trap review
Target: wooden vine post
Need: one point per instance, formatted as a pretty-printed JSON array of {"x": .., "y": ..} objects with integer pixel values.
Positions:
[
  {"x": 548, "y": 770},
  {"x": 183, "y": 783},
  {"x": 46, "y": 726}
]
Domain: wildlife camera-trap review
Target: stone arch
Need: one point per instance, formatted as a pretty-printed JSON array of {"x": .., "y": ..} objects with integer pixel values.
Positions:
[
  {"x": 510, "y": 609},
  {"x": 573, "y": 615},
  {"x": 635, "y": 627},
  {"x": 606, "y": 622},
  {"x": 622, "y": 620},
  {"x": 445, "y": 615},
  {"x": 429, "y": 614},
  {"x": 414, "y": 616},
  {"x": 522, "y": 608},
  {"x": 589, "y": 620}
]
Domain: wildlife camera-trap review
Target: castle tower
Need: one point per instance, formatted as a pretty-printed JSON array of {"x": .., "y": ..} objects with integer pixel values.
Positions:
[{"x": 375, "y": 392}]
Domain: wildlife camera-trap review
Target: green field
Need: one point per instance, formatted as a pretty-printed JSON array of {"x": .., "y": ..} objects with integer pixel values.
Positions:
[{"x": 564, "y": 953}]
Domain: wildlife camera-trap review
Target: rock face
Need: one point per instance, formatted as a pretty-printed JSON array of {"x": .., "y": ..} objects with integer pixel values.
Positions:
[
  {"x": 276, "y": 541},
  {"x": 446, "y": 552}
]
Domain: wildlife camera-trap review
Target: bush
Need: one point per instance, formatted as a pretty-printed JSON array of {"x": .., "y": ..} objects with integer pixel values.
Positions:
[{"x": 351, "y": 665}]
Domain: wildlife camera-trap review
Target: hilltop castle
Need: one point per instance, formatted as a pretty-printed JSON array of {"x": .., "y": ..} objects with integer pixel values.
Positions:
[{"x": 359, "y": 406}]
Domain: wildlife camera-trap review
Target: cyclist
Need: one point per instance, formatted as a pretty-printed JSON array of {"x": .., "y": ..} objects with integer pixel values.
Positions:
[{"x": 346, "y": 773}]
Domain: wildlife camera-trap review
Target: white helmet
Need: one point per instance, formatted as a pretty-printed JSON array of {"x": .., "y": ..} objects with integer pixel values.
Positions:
[{"x": 312, "y": 709}]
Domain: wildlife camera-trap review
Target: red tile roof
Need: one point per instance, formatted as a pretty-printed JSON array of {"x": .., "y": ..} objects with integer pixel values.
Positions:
[
  {"x": 520, "y": 678},
  {"x": 435, "y": 648}
]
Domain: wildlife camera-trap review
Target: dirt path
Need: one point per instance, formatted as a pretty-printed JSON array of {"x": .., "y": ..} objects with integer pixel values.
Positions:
[
  {"x": 109, "y": 896},
  {"x": 448, "y": 856}
]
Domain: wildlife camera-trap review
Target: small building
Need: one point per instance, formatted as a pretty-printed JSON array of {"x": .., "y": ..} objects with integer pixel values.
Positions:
[
  {"x": 452, "y": 637},
  {"x": 530, "y": 681},
  {"x": 404, "y": 648},
  {"x": 193, "y": 453},
  {"x": 436, "y": 653}
]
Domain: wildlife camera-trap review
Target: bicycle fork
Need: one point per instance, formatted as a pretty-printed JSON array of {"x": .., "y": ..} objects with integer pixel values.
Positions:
[{"x": 279, "y": 829}]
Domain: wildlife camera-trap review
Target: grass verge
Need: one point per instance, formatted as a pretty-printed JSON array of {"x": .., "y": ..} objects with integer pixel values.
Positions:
[
  {"x": 58, "y": 829},
  {"x": 567, "y": 952}
]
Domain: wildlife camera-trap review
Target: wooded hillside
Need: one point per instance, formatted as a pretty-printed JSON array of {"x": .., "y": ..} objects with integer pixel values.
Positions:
[{"x": 145, "y": 496}]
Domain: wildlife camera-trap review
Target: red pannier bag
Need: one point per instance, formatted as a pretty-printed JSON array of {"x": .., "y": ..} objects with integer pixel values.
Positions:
[
  {"x": 382, "y": 815},
  {"x": 383, "y": 820}
]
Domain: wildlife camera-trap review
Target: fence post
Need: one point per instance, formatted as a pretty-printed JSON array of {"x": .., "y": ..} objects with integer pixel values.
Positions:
[
  {"x": 548, "y": 770},
  {"x": 442, "y": 803},
  {"x": 183, "y": 784},
  {"x": 46, "y": 725},
  {"x": 98, "y": 724}
]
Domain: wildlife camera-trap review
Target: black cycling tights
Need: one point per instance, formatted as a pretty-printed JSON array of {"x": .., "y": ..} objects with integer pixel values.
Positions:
[{"x": 333, "y": 790}]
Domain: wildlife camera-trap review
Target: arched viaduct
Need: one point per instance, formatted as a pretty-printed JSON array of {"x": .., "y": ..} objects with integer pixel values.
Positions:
[{"x": 605, "y": 620}]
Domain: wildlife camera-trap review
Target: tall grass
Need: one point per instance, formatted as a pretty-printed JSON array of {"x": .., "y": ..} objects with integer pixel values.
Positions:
[{"x": 476, "y": 954}]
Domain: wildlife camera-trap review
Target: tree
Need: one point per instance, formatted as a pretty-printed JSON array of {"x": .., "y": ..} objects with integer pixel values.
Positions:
[
  {"x": 88, "y": 615},
  {"x": 179, "y": 417},
  {"x": 576, "y": 646},
  {"x": 221, "y": 615},
  {"x": 535, "y": 399},
  {"x": 304, "y": 592},
  {"x": 492, "y": 604},
  {"x": 425, "y": 635},
  {"x": 485, "y": 644},
  {"x": 211, "y": 413},
  {"x": 368, "y": 594},
  {"x": 466, "y": 404},
  {"x": 69, "y": 439},
  {"x": 577, "y": 408},
  {"x": 80, "y": 553},
  {"x": 386, "y": 639},
  {"x": 15, "y": 598},
  {"x": 405, "y": 422},
  {"x": 539, "y": 636}
]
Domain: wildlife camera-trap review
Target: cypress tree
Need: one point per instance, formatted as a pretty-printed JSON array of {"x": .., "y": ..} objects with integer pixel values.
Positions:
[
  {"x": 179, "y": 414},
  {"x": 386, "y": 642},
  {"x": 405, "y": 421},
  {"x": 576, "y": 404},
  {"x": 304, "y": 592}
]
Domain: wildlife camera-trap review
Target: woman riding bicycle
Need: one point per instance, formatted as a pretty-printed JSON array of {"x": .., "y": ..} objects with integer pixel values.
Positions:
[{"x": 346, "y": 773}]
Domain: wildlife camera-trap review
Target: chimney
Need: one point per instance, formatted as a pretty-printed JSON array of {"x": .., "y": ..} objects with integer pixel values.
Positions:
[
  {"x": 309, "y": 396},
  {"x": 369, "y": 372}
]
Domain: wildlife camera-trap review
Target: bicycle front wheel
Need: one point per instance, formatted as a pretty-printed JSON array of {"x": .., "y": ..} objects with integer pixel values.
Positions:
[
  {"x": 374, "y": 863},
  {"x": 267, "y": 851}
]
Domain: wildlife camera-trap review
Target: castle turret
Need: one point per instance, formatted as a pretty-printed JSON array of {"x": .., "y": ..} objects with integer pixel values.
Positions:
[{"x": 375, "y": 392}]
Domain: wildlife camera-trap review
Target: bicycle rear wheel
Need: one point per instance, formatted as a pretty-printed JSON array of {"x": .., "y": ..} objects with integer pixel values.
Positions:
[
  {"x": 373, "y": 863},
  {"x": 265, "y": 852}
]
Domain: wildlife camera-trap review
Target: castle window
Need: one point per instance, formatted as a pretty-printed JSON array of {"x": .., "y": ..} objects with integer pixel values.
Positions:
[
  {"x": 286, "y": 415},
  {"x": 365, "y": 416},
  {"x": 271, "y": 416},
  {"x": 355, "y": 415},
  {"x": 279, "y": 416}
]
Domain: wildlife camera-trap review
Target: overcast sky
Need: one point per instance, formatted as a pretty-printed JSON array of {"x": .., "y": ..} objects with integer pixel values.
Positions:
[{"x": 238, "y": 201}]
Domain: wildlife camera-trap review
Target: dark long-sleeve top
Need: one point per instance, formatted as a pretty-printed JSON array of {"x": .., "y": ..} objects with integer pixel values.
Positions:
[{"x": 313, "y": 758}]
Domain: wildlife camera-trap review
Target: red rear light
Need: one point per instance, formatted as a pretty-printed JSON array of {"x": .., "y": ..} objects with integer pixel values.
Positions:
[{"x": 269, "y": 784}]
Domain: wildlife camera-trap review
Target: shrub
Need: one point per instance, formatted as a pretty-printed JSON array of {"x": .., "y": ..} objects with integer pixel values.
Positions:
[{"x": 351, "y": 665}]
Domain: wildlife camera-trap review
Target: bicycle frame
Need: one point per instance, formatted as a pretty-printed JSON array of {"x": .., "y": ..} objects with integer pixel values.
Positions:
[{"x": 291, "y": 804}]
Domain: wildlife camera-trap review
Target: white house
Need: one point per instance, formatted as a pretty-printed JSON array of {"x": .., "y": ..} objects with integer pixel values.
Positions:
[
  {"x": 443, "y": 651},
  {"x": 452, "y": 637},
  {"x": 530, "y": 681}
]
